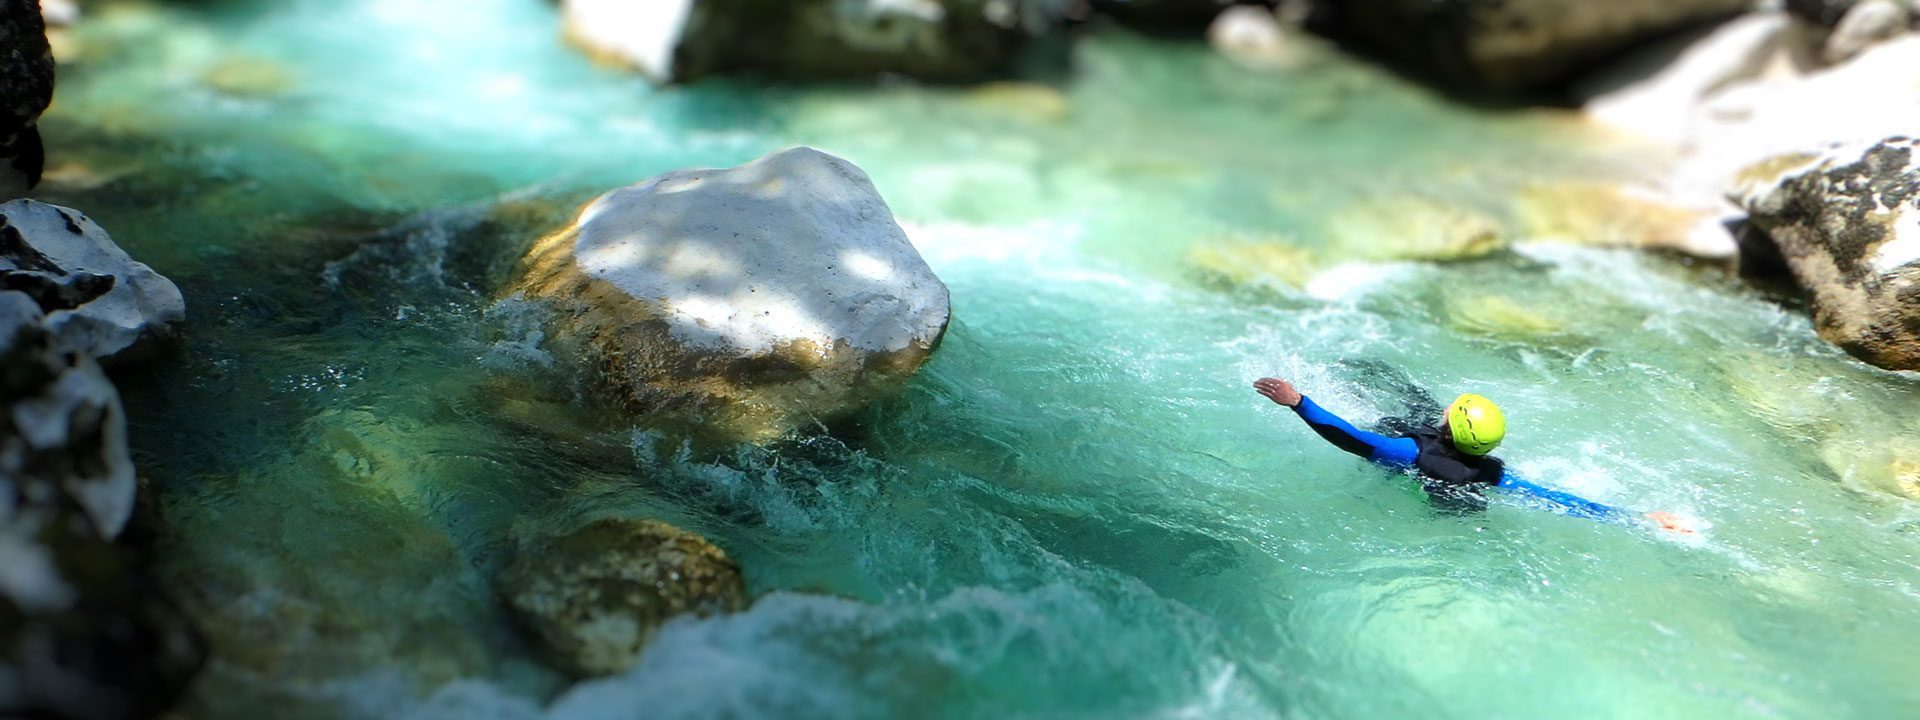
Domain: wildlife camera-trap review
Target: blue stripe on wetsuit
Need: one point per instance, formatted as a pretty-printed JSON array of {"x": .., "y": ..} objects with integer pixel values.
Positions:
[
  {"x": 1401, "y": 452},
  {"x": 1392, "y": 452}
]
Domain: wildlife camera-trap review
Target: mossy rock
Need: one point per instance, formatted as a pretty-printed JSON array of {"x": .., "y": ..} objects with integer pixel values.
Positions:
[
  {"x": 1499, "y": 316},
  {"x": 248, "y": 77},
  {"x": 1885, "y": 466},
  {"x": 1412, "y": 228},
  {"x": 594, "y": 597},
  {"x": 1606, "y": 215},
  {"x": 1252, "y": 263}
]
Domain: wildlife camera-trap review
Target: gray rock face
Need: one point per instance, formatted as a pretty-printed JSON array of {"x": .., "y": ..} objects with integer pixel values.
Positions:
[
  {"x": 96, "y": 299},
  {"x": 680, "y": 40},
  {"x": 86, "y": 634},
  {"x": 1509, "y": 45},
  {"x": 26, "y": 87},
  {"x": 1847, "y": 223},
  {"x": 594, "y": 597},
  {"x": 750, "y": 300},
  {"x": 63, "y": 427}
]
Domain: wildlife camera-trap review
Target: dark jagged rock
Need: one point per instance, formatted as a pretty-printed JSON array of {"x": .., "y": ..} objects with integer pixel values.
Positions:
[
  {"x": 939, "y": 40},
  {"x": 97, "y": 299},
  {"x": 26, "y": 87},
  {"x": 1847, "y": 223},
  {"x": 595, "y": 596},
  {"x": 1516, "y": 45},
  {"x": 83, "y": 631}
]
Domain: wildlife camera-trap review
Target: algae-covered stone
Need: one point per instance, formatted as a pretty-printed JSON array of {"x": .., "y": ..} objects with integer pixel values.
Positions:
[
  {"x": 1847, "y": 223},
  {"x": 1028, "y": 101},
  {"x": 1501, "y": 317},
  {"x": 97, "y": 300},
  {"x": 1889, "y": 466},
  {"x": 1412, "y": 228},
  {"x": 595, "y": 596},
  {"x": 752, "y": 300},
  {"x": 1252, "y": 263},
  {"x": 679, "y": 40},
  {"x": 1609, "y": 215}
]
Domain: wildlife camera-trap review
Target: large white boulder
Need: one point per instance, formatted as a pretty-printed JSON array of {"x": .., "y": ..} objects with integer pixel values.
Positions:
[
  {"x": 751, "y": 300},
  {"x": 97, "y": 300}
]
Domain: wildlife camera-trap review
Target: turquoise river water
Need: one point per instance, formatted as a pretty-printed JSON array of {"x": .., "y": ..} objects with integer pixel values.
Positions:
[{"x": 1079, "y": 508}]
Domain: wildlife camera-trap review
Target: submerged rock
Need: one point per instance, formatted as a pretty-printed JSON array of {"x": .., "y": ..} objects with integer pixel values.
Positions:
[
  {"x": 752, "y": 300},
  {"x": 1847, "y": 222},
  {"x": 86, "y": 634},
  {"x": 26, "y": 88},
  {"x": 1518, "y": 44},
  {"x": 1252, "y": 264},
  {"x": 594, "y": 597},
  {"x": 679, "y": 40},
  {"x": 1608, "y": 215},
  {"x": 1889, "y": 466},
  {"x": 1412, "y": 228},
  {"x": 96, "y": 299}
]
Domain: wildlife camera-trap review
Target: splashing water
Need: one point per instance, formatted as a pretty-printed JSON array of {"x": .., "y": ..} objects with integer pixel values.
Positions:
[{"x": 1077, "y": 509}]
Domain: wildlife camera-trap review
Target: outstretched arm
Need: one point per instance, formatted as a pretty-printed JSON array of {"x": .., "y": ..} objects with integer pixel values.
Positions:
[
  {"x": 1372, "y": 446},
  {"x": 1582, "y": 507}
]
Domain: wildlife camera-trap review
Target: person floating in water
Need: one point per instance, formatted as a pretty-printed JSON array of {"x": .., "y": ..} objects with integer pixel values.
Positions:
[{"x": 1451, "y": 459}]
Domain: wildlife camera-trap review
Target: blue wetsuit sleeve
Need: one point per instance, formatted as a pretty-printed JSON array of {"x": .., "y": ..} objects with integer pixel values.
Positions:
[
  {"x": 1574, "y": 504},
  {"x": 1372, "y": 446}
]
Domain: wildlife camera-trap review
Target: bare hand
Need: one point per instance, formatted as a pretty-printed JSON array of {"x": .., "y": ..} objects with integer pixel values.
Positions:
[
  {"x": 1277, "y": 390},
  {"x": 1671, "y": 522}
]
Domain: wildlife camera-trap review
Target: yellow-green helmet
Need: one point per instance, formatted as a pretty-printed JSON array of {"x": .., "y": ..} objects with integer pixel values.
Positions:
[{"x": 1477, "y": 424}]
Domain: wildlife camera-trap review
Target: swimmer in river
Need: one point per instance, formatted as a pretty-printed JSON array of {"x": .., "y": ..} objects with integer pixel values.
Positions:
[{"x": 1451, "y": 459}]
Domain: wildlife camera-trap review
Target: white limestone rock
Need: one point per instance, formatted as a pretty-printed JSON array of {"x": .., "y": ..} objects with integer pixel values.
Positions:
[
  {"x": 97, "y": 300},
  {"x": 751, "y": 300}
]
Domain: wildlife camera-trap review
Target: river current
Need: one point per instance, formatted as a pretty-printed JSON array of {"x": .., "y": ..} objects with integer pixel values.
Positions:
[{"x": 1079, "y": 508}]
